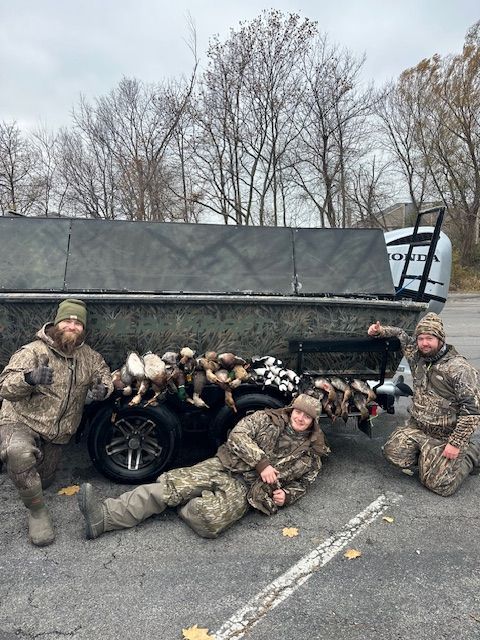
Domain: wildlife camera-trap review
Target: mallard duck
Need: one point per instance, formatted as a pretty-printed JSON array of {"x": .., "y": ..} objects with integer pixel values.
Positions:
[
  {"x": 362, "y": 387},
  {"x": 229, "y": 360},
  {"x": 323, "y": 383},
  {"x": 359, "y": 400}
]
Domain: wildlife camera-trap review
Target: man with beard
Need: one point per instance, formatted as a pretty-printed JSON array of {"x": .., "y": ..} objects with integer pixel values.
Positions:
[
  {"x": 44, "y": 387},
  {"x": 441, "y": 435}
]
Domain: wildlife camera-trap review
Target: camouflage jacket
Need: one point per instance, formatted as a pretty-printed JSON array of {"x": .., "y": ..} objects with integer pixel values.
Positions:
[
  {"x": 54, "y": 411},
  {"x": 446, "y": 394},
  {"x": 265, "y": 438}
]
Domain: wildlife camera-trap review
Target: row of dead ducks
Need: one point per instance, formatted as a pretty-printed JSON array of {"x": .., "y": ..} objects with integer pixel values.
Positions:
[{"x": 177, "y": 372}]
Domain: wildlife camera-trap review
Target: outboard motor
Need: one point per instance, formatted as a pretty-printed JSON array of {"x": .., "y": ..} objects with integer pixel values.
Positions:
[{"x": 437, "y": 280}]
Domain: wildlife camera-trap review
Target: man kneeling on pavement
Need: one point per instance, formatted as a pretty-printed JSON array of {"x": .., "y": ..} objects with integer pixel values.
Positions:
[
  {"x": 268, "y": 461},
  {"x": 44, "y": 387},
  {"x": 442, "y": 434}
]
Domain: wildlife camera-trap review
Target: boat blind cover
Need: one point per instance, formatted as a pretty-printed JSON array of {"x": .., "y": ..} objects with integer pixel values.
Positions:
[{"x": 90, "y": 256}]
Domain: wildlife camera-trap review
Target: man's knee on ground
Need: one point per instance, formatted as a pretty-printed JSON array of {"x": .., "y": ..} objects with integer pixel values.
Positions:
[
  {"x": 19, "y": 458},
  {"x": 393, "y": 455},
  {"x": 191, "y": 513},
  {"x": 440, "y": 486}
]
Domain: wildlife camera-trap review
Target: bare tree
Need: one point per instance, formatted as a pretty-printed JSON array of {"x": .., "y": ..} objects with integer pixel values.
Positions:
[
  {"x": 245, "y": 120},
  {"x": 432, "y": 120},
  {"x": 88, "y": 177},
  {"x": 51, "y": 193},
  {"x": 371, "y": 189},
  {"x": 333, "y": 130},
  {"x": 131, "y": 129},
  {"x": 19, "y": 188},
  {"x": 401, "y": 109}
]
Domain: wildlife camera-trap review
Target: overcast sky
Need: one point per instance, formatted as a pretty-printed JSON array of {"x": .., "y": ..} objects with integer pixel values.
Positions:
[{"x": 51, "y": 51}]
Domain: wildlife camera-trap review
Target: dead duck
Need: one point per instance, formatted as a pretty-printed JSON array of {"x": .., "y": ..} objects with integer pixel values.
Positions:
[
  {"x": 199, "y": 381},
  {"x": 134, "y": 366},
  {"x": 187, "y": 361},
  {"x": 156, "y": 373},
  {"x": 360, "y": 402},
  {"x": 362, "y": 387},
  {"x": 229, "y": 360},
  {"x": 323, "y": 383}
]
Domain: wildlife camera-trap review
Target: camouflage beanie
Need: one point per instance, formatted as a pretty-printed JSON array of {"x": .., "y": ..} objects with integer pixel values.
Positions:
[
  {"x": 432, "y": 324},
  {"x": 72, "y": 309},
  {"x": 307, "y": 404}
]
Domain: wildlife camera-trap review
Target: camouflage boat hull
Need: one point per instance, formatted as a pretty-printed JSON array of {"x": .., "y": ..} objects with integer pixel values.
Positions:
[{"x": 246, "y": 325}]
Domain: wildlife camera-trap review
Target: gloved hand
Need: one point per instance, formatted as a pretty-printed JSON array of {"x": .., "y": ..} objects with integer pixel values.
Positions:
[
  {"x": 42, "y": 374},
  {"x": 98, "y": 391}
]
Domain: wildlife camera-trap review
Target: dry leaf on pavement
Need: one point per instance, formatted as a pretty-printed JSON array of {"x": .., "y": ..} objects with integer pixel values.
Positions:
[
  {"x": 290, "y": 532},
  {"x": 388, "y": 519},
  {"x": 195, "y": 633},
  {"x": 351, "y": 554},
  {"x": 69, "y": 491}
]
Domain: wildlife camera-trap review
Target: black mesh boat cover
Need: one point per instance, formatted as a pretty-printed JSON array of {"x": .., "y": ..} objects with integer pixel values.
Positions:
[{"x": 60, "y": 255}]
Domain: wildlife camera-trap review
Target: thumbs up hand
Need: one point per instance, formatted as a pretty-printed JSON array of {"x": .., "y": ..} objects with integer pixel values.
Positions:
[
  {"x": 42, "y": 374},
  {"x": 374, "y": 329}
]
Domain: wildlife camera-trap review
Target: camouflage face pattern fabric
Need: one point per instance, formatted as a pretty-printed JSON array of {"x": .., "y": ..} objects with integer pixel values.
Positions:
[
  {"x": 446, "y": 393},
  {"x": 409, "y": 446},
  {"x": 54, "y": 411}
]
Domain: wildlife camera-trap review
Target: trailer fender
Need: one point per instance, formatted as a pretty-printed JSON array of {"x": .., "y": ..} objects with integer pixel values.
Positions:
[{"x": 226, "y": 418}]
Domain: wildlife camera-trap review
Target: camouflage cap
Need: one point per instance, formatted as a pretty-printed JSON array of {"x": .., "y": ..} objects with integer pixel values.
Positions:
[
  {"x": 432, "y": 324},
  {"x": 307, "y": 404}
]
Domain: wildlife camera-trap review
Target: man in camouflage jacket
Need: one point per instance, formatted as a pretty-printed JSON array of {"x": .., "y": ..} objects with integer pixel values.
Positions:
[
  {"x": 441, "y": 434},
  {"x": 44, "y": 387},
  {"x": 268, "y": 461}
]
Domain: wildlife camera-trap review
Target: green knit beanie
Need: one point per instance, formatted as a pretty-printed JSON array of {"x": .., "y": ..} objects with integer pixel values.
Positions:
[{"x": 72, "y": 309}]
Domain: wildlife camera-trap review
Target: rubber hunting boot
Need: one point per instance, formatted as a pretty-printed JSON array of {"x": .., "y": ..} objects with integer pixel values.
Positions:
[
  {"x": 92, "y": 510},
  {"x": 40, "y": 527}
]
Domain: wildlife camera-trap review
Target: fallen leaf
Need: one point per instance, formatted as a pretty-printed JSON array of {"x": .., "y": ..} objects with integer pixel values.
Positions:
[
  {"x": 407, "y": 472},
  {"x": 195, "y": 633},
  {"x": 69, "y": 491},
  {"x": 290, "y": 532},
  {"x": 351, "y": 554},
  {"x": 388, "y": 519}
]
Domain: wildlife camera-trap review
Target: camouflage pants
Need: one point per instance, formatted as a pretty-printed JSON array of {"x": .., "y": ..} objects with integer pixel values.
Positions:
[
  {"x": 212, "y": 499},
  {"x": 409, "y": 446},
  {"x": 29, "y": 459}
]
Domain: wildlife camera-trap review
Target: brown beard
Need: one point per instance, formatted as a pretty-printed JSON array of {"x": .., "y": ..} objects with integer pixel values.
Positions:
[{"x": 66, "y": 341}]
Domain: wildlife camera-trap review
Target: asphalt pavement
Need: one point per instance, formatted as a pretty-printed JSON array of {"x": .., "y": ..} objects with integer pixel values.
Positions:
[{"x": 417, "y": 575}]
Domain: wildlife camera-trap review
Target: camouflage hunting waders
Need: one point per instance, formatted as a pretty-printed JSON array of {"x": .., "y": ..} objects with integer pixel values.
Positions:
[
  {"x": 409, "y": 446},
  {"x": 30, "y": 460},
  {"x": 212, "y": 497},
  {"x": 31, "y": 464}
]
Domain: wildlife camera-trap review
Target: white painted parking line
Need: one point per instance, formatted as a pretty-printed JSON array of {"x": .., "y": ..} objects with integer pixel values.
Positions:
[{"x": 286, "y": 584}]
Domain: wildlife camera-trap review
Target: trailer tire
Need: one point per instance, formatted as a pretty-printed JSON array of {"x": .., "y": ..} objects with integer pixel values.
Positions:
[
  {"x": 226, "y": 419},
  {"x": 133, "y": 445}
]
